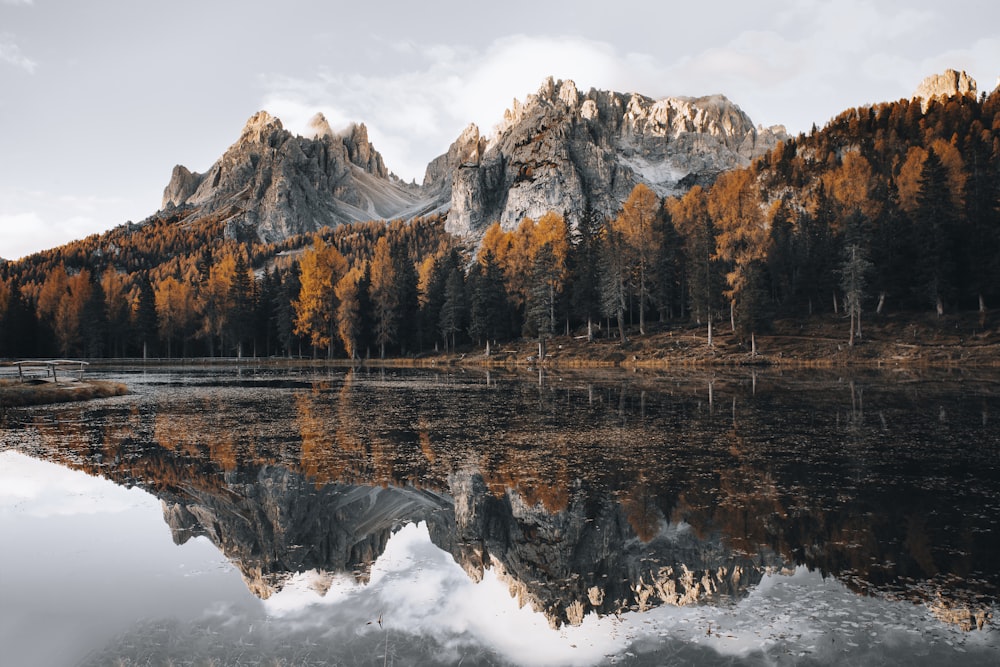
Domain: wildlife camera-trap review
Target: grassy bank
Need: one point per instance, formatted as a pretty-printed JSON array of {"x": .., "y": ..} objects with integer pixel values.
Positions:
[
  {"x": 16, "y": 394},
  {"x": 819, "y": 342}
]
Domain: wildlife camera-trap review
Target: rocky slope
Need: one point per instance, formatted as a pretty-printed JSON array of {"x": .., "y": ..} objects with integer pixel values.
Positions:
[
  {"x": 944, "y": 85},
  {"x": 272, "y": 523},
  {"x": 272, "y": 184},
  {"x": 567, "y": 151},
  {"x": 561, "y": 150}
]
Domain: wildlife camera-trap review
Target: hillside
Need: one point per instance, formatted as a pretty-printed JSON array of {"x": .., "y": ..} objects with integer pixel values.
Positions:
[{"x": 890, "y": 212}]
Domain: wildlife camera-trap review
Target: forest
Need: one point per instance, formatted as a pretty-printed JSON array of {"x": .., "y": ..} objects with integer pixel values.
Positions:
[{"x": 888, "y": 208}]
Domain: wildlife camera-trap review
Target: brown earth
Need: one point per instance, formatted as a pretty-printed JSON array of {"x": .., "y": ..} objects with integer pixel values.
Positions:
[{"x": 967, "y": 340}]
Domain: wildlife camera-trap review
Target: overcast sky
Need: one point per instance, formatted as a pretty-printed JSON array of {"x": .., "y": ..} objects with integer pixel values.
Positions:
[{"x": 99, "y": 99}]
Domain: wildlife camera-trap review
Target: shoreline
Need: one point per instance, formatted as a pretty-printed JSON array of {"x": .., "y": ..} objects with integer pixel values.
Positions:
[{"x": 893, "y": 342}]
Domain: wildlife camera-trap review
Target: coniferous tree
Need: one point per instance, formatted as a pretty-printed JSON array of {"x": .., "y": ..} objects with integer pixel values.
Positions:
[
  {"x": 18, "y": 325},
  {"x": 743, "y": 243},
  {"x": 489, "y": 312},
  {"x": 702, "y": 272},
  {"x": 240, "y": 302},
  {"x": 95, "y": 321},
  {"x": 115, "y": 288},
  {"x": 349, "y": 310},
  {"x": 284, "y": 310},
  {"x": 453, "y": 308},
  {"x": 264, "y": 319},
  {"x": 385, "y": 295},
  {"x": 781, "y": 256},
  {"x": 406, "y": 285},
  {"x": 145, "y": 323},
  {"x": 666, "y": 269},
  {"x": 640, "y": 230},
  {"x": 816, "y": 251},
  {"x": 176, "y": 311},
  {"x": 854, "y": 270},
  {"x": 539, "y": 315},
  {"x": 614, "y": 273},
  {"x": 933, "y": 219},
  {"x": 322, "y": 267},
  {"x": 584, "y": 268}
]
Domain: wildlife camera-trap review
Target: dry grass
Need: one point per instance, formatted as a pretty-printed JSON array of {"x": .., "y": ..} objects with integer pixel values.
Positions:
[
  {"x": 917, "y": 341},
  {"x": 16, "y": 394}
]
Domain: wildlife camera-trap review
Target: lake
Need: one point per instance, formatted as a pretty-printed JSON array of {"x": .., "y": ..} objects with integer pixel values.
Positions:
[{"x": 276, "y": 514}]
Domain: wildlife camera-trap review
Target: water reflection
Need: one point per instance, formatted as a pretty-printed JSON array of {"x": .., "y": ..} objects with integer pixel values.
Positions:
[{"x": 582, "y": 494}]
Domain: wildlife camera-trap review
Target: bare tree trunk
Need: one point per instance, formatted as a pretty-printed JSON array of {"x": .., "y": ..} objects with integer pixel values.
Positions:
[
  {"x": 982, "y": 304},
  {"x": 590, "y": 330},
  {"x": 836, "y": 310},
  {"x": 732, "y": 315},
  {"x": 710, "y": 329},
  {"x": 753, "y": 345},
  {"x": 642, "y": 309},
  {"x": 940, "y": 307},
  {"x": 881, "y": 303}
]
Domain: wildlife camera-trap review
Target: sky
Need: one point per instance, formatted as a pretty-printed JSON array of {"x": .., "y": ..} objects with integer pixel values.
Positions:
[{"x": 100, "y": 99}]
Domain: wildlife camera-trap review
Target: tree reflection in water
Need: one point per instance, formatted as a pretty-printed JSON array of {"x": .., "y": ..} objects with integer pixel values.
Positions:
[{"x": 585, "y": 494}]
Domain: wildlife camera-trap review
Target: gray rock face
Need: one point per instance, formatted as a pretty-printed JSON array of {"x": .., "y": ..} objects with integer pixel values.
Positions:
[
  {"x": 561, "y": 150},
  {"x": 466, "y": 151},
  {"x": 273, "y": 523},
  {"x": 273, "y": 184},
  {"x": 276, "y": 523},
  {"x": 945, "y": 85},
  {"x": 588, "y": 558},
  {"x": 566, "y": 151},
  {"x": 183, "y": 184}
]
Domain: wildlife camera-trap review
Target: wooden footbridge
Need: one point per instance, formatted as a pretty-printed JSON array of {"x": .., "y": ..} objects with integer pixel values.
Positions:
[{"x": 50, "y": 370}]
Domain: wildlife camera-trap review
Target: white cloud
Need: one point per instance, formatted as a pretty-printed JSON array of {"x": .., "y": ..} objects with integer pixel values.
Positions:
[
  {"x": 31, "y": 221},
  {"x": 10, "y": 53},
  {"x": 29, "y": 487},
  {"x": 805, "y": 68},
  {"x": 413, "y": 115}
]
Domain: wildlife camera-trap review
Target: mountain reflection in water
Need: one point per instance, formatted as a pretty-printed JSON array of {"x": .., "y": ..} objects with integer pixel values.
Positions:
[{"x": 584, "y": 494}]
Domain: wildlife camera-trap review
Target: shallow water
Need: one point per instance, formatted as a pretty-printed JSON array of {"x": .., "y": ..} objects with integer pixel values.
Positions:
[{"x": 295, "y": 515}]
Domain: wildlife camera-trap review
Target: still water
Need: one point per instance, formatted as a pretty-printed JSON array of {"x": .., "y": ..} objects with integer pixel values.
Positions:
[{"x": 323, "y": 516}]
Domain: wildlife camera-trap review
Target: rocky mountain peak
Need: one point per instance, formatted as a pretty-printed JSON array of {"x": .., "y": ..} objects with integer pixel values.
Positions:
[
  {"x": 361, "y": 151},
  {"x": 465, "y": 151},
  {"x": 260, "y": 125},
  {"x": 560, "y": 149},
  {"x": 319, "y": 127},
  {"x": 272, "y": 184},
  {"x": 944, "y": 85},
  {"x": 566, "y": 151}
]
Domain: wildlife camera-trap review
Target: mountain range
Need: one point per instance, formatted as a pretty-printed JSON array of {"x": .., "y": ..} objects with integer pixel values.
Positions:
[{"x": 560, "y": 150}]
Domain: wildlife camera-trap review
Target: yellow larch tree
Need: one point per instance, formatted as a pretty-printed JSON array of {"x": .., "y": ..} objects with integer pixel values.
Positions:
[
  {"x": 642, "y": 240},
  {"x": 348, "y": 314},
  {"x": 322, "y": 267}
]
